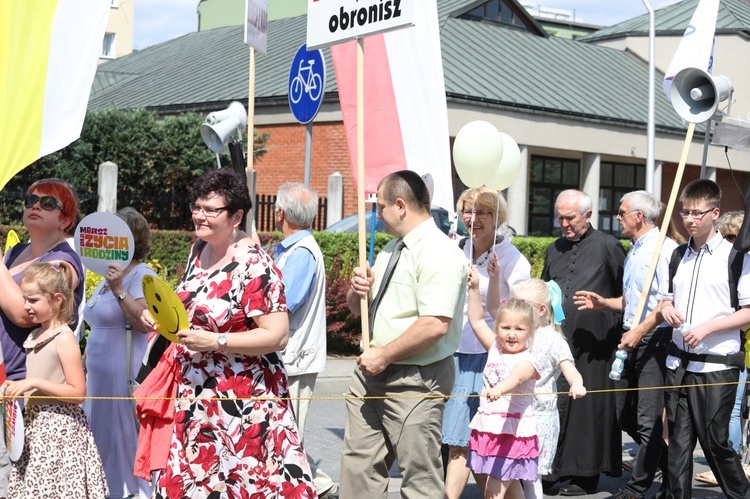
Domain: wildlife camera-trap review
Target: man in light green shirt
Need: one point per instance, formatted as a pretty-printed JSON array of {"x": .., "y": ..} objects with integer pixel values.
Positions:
[{"x": 416, "y": 329}]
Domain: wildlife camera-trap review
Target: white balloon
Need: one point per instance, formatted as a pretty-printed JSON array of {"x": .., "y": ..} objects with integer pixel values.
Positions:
[
  {"x": 477, "y": 151},
  {"x": 509, "y": 167}
]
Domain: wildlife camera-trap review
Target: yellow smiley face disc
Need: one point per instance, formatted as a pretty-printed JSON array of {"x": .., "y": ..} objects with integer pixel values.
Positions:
[{"x": 165, "y": 306}]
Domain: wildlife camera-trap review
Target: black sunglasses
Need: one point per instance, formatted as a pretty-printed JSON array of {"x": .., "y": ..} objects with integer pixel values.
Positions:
[{"x": 47, "y": 203}]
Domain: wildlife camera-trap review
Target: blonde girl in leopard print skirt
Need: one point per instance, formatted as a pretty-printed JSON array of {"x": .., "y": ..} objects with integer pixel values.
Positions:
[{"x": 59, "y": 457}]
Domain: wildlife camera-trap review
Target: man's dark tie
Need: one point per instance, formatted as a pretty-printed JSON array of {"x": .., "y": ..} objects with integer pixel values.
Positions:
[{"x": 386, "y": 279}]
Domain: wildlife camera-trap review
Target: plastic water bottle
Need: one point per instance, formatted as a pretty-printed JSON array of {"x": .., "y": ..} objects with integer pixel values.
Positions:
[
  {"x": 700, "y": 347},
  {"x": 618, "y": 364}
]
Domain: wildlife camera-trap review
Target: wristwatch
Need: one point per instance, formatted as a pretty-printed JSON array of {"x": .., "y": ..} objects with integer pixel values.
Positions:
[
  {"x": 122, "y": 296},
  {"x": 222, "y": 341}
]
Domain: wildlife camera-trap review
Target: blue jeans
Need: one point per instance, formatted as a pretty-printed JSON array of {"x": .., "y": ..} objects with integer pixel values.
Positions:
[{"x": 735, "y": 424}]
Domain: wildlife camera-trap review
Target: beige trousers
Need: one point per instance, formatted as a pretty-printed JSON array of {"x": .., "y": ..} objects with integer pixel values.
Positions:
[
  {"x": 303, "y": 386},
  {"x": 408, "y": 429}
]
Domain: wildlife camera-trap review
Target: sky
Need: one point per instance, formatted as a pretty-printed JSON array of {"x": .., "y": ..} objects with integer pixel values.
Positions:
[{"x": 160, "y": 20}]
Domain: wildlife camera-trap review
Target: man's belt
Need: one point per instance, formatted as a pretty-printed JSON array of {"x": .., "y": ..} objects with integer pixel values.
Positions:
[{"x": 736, "y": 359}]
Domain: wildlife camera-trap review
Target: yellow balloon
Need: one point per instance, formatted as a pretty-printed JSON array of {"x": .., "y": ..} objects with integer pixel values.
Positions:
[
  {"x": 166, "y": 307},
  {"x": 11, "y": 240}
]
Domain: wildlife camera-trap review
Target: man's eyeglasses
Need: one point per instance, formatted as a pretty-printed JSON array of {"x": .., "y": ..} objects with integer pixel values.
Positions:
[
  {"x": 208, "y": 211},
  {"x": 697, "y": 215},
  {"x": 47, "y": 203},
  {"x": 481, "y": 215},
  {"x": 730, "y": 237}
]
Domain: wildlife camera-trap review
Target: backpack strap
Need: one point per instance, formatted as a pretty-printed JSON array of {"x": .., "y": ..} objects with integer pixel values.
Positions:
[
  {"x": 736, "y": 259},
  {"x": 674, "y": 262}
]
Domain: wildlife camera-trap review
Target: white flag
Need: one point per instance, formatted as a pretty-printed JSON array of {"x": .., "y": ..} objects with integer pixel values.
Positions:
[
  {"x": 696, "y": 49},
  {"x": 49, "y": 50}
]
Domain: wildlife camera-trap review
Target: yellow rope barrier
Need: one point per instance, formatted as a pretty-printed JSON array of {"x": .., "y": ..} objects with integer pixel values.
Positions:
[{"x": 378, "y": 397}]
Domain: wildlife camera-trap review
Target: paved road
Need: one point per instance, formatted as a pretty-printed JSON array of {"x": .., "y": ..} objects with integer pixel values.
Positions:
[{"x": 324, "y": 435}]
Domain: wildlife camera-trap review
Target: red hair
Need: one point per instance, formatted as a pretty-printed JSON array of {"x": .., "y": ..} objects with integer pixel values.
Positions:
[{"x": 63, "y": 192}]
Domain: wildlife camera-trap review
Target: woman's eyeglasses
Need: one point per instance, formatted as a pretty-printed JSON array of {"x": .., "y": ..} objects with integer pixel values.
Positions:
[
  {"x": 730, "y": 237},
  {"x": 208, "y": 211},
  {"x": 481, "y": 215},
  {"x": 47, "y": 203}
]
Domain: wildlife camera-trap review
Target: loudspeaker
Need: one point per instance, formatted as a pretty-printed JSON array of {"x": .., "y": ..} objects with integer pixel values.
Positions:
[
  {"x": 220, "y": 125},
  {"x": 696, "y": 95},
  {"x": 215, "y": 135},
  {"x": 235, "y": 110}
]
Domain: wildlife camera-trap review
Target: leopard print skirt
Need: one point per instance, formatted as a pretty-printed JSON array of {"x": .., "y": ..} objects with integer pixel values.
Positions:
[{"x": 59, "y": 457}]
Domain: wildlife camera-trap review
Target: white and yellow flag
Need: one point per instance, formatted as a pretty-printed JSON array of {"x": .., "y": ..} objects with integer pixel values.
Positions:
[{"x": 49, "y": 51}]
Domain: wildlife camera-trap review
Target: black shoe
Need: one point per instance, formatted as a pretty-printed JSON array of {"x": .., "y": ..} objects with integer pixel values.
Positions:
[
  {"x": 575, "y": 490},
  {"x": 580, "y": 486},
  {"x": 547, "y": 486},
  {"x": 624, "y": 494}
]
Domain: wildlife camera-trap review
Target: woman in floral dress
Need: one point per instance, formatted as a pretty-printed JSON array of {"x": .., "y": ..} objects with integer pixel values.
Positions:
[{"x": 238, "y": 322}]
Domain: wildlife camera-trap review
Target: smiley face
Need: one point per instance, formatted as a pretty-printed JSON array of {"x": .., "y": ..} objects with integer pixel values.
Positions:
[{"x": 165, "y": 306}]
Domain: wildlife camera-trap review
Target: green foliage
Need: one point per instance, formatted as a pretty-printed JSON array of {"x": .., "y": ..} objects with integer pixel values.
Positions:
[
  {"x": 156, "y": 156},
  {"x": 169, "y": 253},
  {"x": 534, "y": 249}
]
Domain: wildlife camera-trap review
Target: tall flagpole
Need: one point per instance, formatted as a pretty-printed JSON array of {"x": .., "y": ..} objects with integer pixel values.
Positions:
[
  {"x": 364, "y": 317},
  {"x": 651, "y": 128},
  {"x": 664, "y": 226},
  {"x": 249, "y": 172}
]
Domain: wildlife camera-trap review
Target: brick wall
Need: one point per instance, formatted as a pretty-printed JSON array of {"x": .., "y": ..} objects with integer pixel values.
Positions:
[
  {"x": 731, "y": 197},
  {"x": 284, "y": 160}
]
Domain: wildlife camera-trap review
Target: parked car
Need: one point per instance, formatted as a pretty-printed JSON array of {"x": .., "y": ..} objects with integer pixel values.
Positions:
[{"x": 443, "y": 220}]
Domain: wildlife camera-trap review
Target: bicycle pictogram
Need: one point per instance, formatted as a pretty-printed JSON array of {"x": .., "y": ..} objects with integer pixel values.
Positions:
[{"x": 311, "y": 83}]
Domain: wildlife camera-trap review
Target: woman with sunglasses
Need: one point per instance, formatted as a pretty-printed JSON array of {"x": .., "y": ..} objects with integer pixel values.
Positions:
[
  {"x": 237, "y": 326},
  {"x": 50, "y": 209}
]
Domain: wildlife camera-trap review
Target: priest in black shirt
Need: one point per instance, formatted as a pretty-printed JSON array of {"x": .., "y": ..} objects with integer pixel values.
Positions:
[{"x": 585, "y": 258}]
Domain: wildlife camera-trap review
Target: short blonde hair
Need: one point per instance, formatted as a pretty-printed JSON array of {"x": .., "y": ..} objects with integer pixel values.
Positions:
[
  {"x": 515, "y": 306},
  {"x": 730, "y": 221},
  {"x": 535, "y": 292},
  {"x": 485, "y": 199}
]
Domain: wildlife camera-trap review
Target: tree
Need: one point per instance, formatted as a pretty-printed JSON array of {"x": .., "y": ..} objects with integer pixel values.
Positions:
[{"x": 157, "y": 156}]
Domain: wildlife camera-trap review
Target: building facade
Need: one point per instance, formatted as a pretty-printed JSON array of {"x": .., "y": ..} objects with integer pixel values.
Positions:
[
  {"x": 118, "y": 37},
  {"x": 577, "y": 108}
]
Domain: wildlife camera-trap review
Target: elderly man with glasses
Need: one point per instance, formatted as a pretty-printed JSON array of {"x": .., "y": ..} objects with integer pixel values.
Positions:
[{"x": 640, "y": 411}]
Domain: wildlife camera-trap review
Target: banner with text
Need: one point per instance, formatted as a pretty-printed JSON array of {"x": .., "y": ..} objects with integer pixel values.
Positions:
[
  {"x": 102, "y": 239},
  {"x": 334, "y": 21}
]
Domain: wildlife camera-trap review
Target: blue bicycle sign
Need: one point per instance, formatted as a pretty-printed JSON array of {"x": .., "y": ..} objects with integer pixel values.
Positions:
[{"x": 306, "y": 84}]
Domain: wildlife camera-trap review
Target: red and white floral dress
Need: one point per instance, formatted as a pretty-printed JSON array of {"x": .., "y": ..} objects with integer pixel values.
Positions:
[{"x": 233, "y": 448}]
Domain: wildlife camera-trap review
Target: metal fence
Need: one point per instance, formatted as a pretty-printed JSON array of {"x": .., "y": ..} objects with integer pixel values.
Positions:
[
  {"x": 162, "y": 211},
  {"x": 264, "y": 217}
]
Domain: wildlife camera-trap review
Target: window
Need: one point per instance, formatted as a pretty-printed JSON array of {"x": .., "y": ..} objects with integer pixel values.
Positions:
[
  {"x": 616, "y": 180},
  {"x": 499, "y": 11},
  {"x": 549, "y": 177},
  {"x": 108, "y": 46}
]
